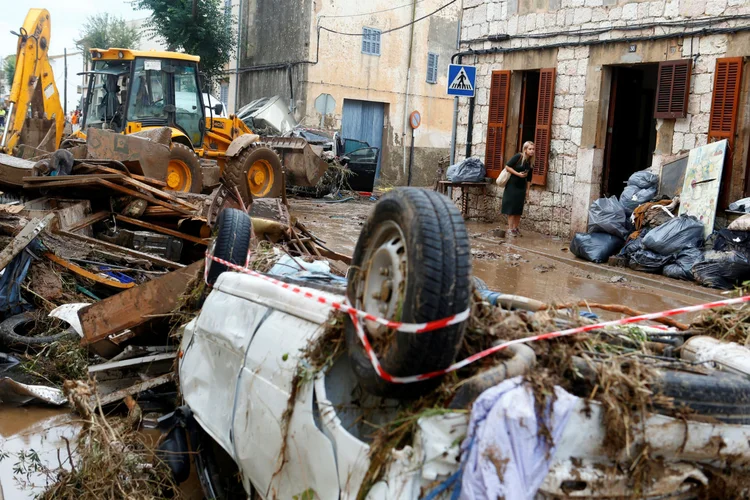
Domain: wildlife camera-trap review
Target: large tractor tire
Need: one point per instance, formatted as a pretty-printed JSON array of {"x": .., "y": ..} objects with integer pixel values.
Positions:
[
  {"x": 256, "y": 172},
  {"x": 184, "y": 172},
  {"x": 412, "y": 263}
]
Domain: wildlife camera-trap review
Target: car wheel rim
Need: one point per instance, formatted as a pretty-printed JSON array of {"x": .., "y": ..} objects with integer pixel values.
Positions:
[
  {"x": 260, "y": 178},
  {"x": 179, "y": 177},
  {"x": 383, "y": 284}
]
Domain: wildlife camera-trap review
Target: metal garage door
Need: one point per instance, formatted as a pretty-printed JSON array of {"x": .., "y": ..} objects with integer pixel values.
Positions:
[{"x": 363, "y": 120}]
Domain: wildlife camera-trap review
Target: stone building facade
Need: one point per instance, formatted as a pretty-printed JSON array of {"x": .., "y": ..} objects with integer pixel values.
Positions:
[
  {"x": 611, "y": 65},
  {"x": 312, "y": 53}
]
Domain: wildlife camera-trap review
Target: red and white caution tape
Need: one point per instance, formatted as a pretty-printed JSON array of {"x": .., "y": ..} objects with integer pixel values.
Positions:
[
  {"x": 339, "y": 306},
  {"x": 356, "y": 314}
]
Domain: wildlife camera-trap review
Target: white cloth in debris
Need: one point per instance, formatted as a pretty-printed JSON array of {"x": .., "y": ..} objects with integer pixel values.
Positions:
[{"x": 503, "y": 455}]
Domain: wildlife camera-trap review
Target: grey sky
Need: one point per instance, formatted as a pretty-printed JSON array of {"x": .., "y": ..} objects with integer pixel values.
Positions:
[{"x": 67, "y": 18}]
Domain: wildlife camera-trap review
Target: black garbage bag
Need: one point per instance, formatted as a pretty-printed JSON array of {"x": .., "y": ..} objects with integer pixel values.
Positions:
[
  {"x": 727, "y": 240},
  {"x": 723, "y": 270},
  {"x": 632, "y": 196},
  {"x": 607, "y": 215},
  {"x": 676, "y": 235},
  {"x": 649, "y": 262},
  {"x": 644, "y": 180},
  {"x": 595, "y": 247},
  {"x": 631, "y": 247},
  {"x": 682, "y": 267},
  {"x": 470, "y": 170}
]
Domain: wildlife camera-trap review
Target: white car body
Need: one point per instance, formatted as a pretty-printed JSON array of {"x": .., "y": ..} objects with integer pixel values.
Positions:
[{"x": 237, "y": 366}]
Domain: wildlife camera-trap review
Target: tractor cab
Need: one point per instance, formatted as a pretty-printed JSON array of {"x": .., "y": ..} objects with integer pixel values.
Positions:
[{"x": 133, "y": 90}]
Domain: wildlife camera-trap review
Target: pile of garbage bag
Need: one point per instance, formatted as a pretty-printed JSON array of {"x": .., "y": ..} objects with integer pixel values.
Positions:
[
  {"x": 470, "y": 170},
  {"x": 641, "y": 188}
]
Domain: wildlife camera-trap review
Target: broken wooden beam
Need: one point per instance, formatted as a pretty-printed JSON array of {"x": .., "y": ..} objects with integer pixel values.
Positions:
[
  {"x": 22, "y": 240},
  {"x": 114, "y": 397},
  {"x": 117, "y": 248},
  {"x": 137, "y": 305},
  {"x": 164, "y": 230},
  {"x": 91, "y": 219}
]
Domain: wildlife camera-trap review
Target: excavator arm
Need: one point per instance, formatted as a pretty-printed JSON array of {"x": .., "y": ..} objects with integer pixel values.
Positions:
[{"x": 35, "y": 115}]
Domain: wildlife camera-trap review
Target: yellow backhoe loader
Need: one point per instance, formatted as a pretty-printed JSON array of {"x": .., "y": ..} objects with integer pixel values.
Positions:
[
  {"x": 35, "y": 115},
  {"x": 132, "y": 91}
]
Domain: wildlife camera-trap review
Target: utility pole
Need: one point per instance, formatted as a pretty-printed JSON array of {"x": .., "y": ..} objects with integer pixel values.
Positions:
[{"x": 65, "y": 89}]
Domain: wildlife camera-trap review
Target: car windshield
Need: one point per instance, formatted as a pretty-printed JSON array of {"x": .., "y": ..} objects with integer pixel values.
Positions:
[
  {"x": 108, "y": 90},
  {"x": 146, "y": 104}
]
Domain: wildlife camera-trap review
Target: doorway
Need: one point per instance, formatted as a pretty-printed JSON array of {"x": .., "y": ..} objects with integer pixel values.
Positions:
[
  {"x": 363, "y": 121},
  {"x": 529, "y": 104},
  {"x": 631, "y": 126}
]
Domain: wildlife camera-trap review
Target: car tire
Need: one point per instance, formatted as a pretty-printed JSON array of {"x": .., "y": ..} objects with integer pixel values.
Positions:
[
  {"x": 184, "y": 161},
  {"x": 721, "y": 395},
  {"x": 11, "y": 332},
  {"x": 424, "y": 232},
  {"x": 233, "y": 231}
]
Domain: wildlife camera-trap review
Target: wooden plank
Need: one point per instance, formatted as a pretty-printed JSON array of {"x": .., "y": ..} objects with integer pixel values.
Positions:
[
  {"x": 22, "y": 240},
  {"x": 159, "y": 229},
  {"x": 159, "y": 193},
  {"x": 91, "y": 219},
  {"x": 87, "y": 274},
  {"x": 137, "y": 305},
  {"x": 147, "y": 180},
  {"x": 146, "y": 197},
  {"x": 136, "y": 389},
  {"x": 117, "y": 248},
  {"x": 64, "y": 179}
]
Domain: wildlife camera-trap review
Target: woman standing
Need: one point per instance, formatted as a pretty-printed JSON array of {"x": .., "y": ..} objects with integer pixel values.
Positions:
[{"x": 519, "y": 167}]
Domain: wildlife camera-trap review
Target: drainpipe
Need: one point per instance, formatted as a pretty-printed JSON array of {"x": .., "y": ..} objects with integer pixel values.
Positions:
[
  {"x": 470, "y": 128},
  {"x": 454, "y": 128},
  {"x": 237, "y": 61},
  {"x": 408, "y": 79}
]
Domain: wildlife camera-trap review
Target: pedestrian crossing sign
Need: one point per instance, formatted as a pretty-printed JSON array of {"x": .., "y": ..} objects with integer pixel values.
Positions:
[{"x": 461, "y": 80}]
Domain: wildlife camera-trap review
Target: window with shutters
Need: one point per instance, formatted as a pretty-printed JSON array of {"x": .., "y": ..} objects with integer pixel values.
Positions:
[
  {"x": 722, "y": 123},
  {"x": 543, "y": 132},
  {"x": 432, "y": 67},
  {"x": 672, "y": 89},
  {"x": 371, "y": 41},
  {"x": 497, "y": 122}
]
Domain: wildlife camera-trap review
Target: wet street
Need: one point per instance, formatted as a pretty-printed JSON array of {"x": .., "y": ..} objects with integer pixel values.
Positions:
[{"x": 533, "y": 265}]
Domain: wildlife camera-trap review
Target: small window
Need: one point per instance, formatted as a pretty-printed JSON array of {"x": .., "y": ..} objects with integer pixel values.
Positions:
[
  {"x": 371, "y": 41},
  {"x": 432, "y": 67},
  {"x": 224, "y": 97},
  {"x": 228, "y": 8}
]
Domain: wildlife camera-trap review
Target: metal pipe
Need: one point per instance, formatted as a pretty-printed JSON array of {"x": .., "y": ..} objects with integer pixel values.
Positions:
[
  {"x": 470, "y": 128},
  {"x": 65, "y": 89},
  {"x": 408, "y": 79},
  {"x": 8, "y": 118},
  {"x": 454, "y": 127},
  {"x": 237, "y": 61},
  {"x": 411, "y": 156}
]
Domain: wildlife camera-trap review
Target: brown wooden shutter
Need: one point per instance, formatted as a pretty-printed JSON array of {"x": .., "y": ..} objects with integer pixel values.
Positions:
[
  {"x": 723, "y": 121},
  {"x": 673, "y": 88},
  {"x": 542, "y": 135},
  {"x": 497, "y": 123}
]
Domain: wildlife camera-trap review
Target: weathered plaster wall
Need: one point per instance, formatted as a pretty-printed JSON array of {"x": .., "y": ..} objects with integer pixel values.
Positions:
[
  {"x": 344, "y": 72},
  {"x": 582, "y": 88},
  {"x": 274, "y": 32}
]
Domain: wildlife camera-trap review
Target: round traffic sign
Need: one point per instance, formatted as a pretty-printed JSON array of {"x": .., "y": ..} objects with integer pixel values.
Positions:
[{"x": 415, "y": 119}]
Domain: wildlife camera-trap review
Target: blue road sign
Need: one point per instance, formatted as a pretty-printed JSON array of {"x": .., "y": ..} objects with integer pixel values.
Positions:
[{"x": 462, "y": 80}]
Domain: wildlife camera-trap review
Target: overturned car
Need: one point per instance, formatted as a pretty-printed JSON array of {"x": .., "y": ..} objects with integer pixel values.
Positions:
[{"x": 282, "y": 399}]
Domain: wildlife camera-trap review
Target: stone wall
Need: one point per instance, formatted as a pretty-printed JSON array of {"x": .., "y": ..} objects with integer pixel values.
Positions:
[{"x": 582, "y": 87}]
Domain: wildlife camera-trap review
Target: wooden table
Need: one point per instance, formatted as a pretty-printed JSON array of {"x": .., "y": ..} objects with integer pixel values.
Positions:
[{"x": 466, "y": 187}]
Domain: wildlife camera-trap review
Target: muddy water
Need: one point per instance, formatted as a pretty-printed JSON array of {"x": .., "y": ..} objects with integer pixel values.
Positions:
[{"x": 26, "y": 429}]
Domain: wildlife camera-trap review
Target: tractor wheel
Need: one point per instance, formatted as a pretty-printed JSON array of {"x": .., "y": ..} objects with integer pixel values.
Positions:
[
  {"x": 256, "y": 172},
  {"x": 184, "y": 170}
]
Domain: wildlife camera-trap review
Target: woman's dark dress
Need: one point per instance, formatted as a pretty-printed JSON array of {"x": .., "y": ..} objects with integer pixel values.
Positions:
[{"x": 515, "y": 190}]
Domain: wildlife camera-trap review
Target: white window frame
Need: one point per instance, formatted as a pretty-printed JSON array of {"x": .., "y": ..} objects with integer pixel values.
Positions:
[
  {"x": 371, "y": 41},
  {"x": 432, "y": 71}
]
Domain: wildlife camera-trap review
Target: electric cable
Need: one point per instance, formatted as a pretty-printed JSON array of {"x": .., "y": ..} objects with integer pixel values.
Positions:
[
  {"x": 374, "y": 12},
  {"x": 383, "y": 32}
]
